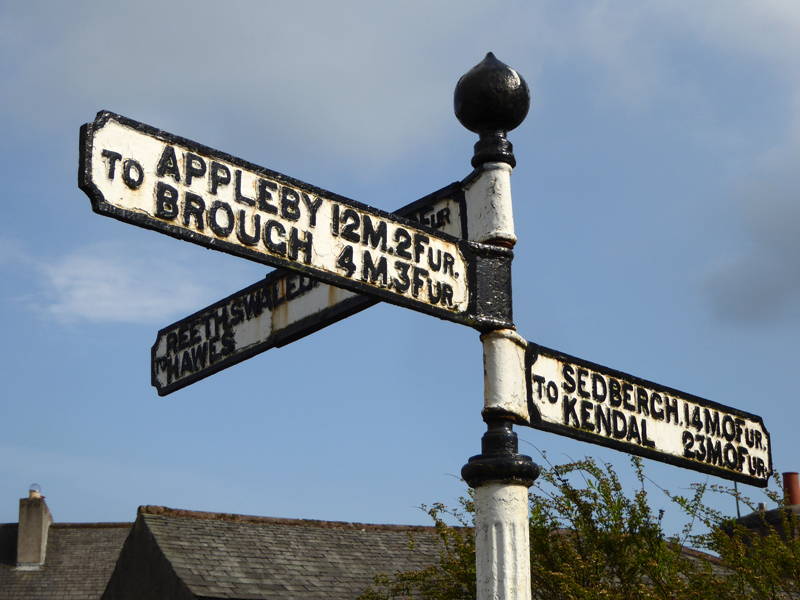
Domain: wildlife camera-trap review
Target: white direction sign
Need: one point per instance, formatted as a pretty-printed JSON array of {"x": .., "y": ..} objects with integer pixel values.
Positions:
[
  {"x": 280, "y": 309},
  {"x": 582, "y": 400},
  {"x": 147, "y": 177}
]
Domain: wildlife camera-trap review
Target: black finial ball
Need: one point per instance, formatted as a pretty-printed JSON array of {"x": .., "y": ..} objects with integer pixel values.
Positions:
[
  {"x": 491, "y": 100},
  {"x": 491, "y": 97}
]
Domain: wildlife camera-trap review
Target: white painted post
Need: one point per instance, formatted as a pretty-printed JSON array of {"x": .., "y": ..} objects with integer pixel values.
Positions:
[{"x": 490, "y": 100}]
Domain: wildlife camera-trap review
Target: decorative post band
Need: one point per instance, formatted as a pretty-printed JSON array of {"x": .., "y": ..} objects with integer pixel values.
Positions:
[{"x": 499, "y": 460}]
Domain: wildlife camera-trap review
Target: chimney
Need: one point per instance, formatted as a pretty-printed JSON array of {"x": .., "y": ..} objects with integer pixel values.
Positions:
[
  {"x": 791, "y": 488},
  {"x": 34, "y": 521}
]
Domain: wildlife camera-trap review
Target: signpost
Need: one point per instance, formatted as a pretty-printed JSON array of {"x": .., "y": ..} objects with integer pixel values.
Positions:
[
  {"x": 573, "y": 397},
  {"x": 147, "y": 177},
  {"x": 337, "y": 257},
  {"x": 273, "y": 312}
]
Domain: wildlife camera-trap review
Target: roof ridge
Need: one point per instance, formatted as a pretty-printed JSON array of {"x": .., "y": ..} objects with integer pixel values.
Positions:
[{"x": 164, "y": 511}]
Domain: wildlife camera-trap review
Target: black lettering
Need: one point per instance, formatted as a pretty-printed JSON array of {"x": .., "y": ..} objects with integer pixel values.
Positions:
[
  {"x": 112, "y": 157},
  {"x": 219, "y": 174},
  {"x": 627, "y": 388},
  {"x": 402, "y": 284},
  {"x": 290, "y": 204},
  {"x": 672, "y": 408},
  {"x": 168, "y": 164},
  {"x": 645, "y": 441},
  {"x": 373, "y": 273},
  {"x": 291, "y": 288},
  {"x": 714, "y": 452},
  {"x": 739, "y": 425},
  {"x": 166, "y": 201},
  {"x": 373, "y": 237},
  {"x": 742, "y": 454},
  {"x": 597, "y": 381},
  {"x": 183, "y": 337},
  {"x": 172, "y": 343},
  {"x": 582, "y": 374},
  {"x": 418, "y": 277},
  {"x": 132, "y": 179},
  {"x": 656, "y": 411},
  {"x": 313, "y": 207},
  {"x": 447, "y": 295},
  {"x": 434, "y": 265},
  {"x": 434, "y": 298},
  {"x": 552, "y": 392},
  {"x": 568, "y": 405},
  {"x": 345, "y": 261},
  {"x": 252, "y": 303},
  {"x": 296, "y": 245},
  {"x": 194, "y": 167},
  {"x": 620, "y": 424},
  {"x": 403, "y": 239},
  {"x": 712, "y": 423},
  {"x": 688, "y": 443},
  {"x": 700, "y": 453},
  {"x": 758, "y": 440},
  {"x": 350, "y": 224},
  {"x": 193, "y": 206},
  {"x": 419, "y": 245},
  {"x": 696, "y": 422},
  {"x": 586, "y": 415},
  {"x": 265, "y": 196},
  {"x": 335, "y": 221},
  {"x": 172, "y": 368},
  {"x": 728, "y": 428},
  {"x": 278, "y": 248},
  {"x": 442, "y": 217},
  {"x": 603, "y": 419},
  {"x": 228, "y": 342},
  {"x": 186, "y": 363},
  {"x": 216, "y": 227},
  {"x": 749, "y": 434},
  {"x": 237, "y": 314},
  {"x": 569, "y": 382},
  {"x": 242, "y": 235},
  {"x": 614, "y": 390},
  {"x": 199, "y": 356},
  {"x": 237, "y": 190},
  {"x": 537, "y": 379},
  {"x": 730, "y": 455},
  {"x": 641, "y": 401},
  {"x": 633, "y": 431},
  {"x": 449, "y": 263}
]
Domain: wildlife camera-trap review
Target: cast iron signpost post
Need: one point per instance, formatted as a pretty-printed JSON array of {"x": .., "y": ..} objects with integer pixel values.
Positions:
[{"x": 450, "y": 258}]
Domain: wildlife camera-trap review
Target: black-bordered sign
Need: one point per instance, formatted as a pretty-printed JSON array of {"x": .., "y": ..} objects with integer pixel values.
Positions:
[
  {"x": 582, "y": 400},
  {"x": 150, "y": 178},
  {"x": 280, "y": 309}
]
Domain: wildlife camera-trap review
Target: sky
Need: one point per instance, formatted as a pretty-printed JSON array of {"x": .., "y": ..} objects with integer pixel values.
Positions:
[{"x": 656, "y": 203}]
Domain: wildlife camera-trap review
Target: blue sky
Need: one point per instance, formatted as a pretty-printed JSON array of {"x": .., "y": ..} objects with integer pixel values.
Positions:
[{"x": 656, "y": 201}]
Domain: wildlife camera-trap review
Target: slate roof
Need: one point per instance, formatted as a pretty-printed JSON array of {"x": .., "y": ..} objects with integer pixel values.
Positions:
[
  {"x": 233, "y": 556},
  {"x": 78, "y": 562}
]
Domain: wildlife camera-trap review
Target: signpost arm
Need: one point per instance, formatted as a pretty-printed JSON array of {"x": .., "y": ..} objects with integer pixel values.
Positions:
[{"x": 492, "y": 99}]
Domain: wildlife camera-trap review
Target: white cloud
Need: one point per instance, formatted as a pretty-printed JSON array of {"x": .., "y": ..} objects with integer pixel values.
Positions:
[{"x": 114, "y": 282}]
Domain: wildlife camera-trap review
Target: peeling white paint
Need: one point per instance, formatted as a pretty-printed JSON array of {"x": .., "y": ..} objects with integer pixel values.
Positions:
[
  {"x": 505, "y": 385},
  {"x": 502, "y": 542},
  {"x": 490, "y": 216}
]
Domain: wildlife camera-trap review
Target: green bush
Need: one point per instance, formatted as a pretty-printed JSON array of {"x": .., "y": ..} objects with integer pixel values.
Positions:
[{"x": 592, "y": 541}]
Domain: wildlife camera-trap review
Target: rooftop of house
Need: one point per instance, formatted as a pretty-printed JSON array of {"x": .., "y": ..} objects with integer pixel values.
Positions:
[
  {"x": 78, "y": 562},
  {"x": 232, "y": 556}
]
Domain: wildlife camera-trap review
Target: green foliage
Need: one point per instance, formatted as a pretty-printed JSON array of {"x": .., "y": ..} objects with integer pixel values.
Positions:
[{"x": 592, "y": 541}]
